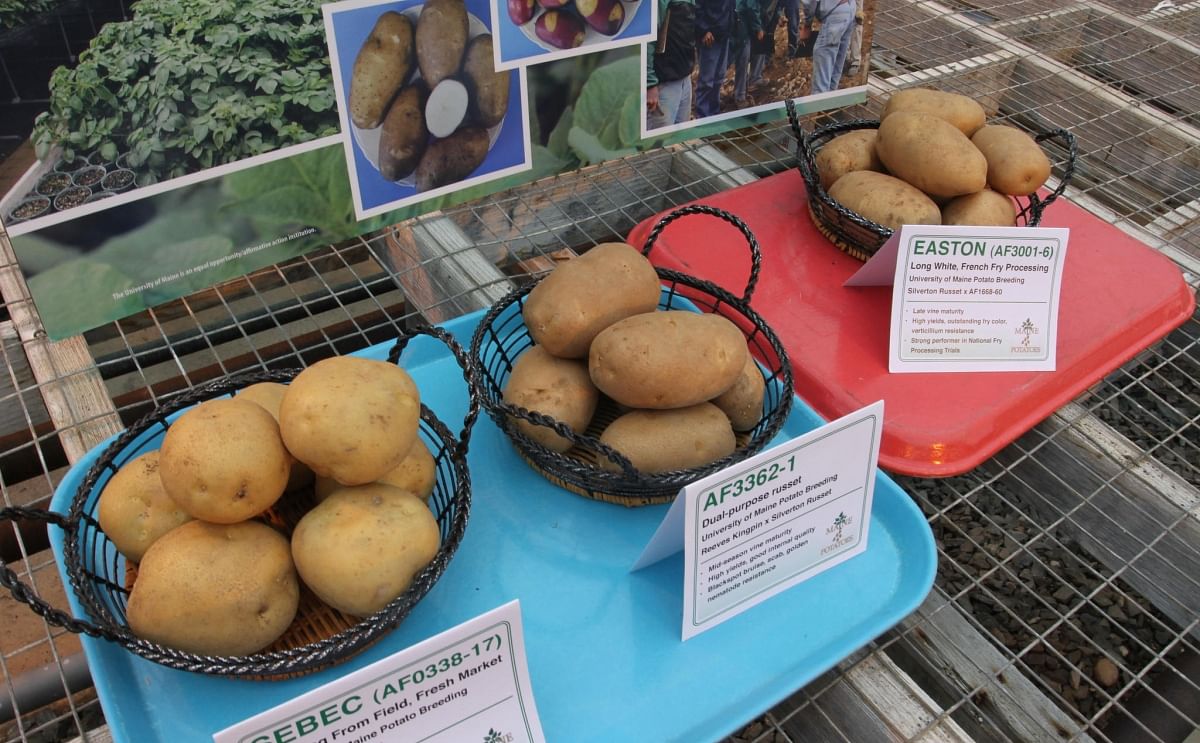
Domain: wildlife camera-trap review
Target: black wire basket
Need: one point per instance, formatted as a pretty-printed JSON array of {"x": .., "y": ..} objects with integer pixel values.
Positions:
[
  {"x": 502, "y": 337},
  {"x": 319, "y": 636},
  {"x": 860, "y": 237}
]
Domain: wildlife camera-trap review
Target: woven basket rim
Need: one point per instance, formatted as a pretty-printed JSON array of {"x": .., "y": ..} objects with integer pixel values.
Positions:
[
  {"x": 285, "y": 663},
  {"x": 616, "y": 487},
  {"x": 837, "y": 223}
]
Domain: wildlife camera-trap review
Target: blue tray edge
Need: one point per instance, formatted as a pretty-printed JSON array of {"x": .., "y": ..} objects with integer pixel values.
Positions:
[{"x": 892, "y": 506}]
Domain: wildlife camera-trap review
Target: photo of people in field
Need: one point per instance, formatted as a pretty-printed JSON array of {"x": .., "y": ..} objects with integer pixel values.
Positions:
[{"x": 714, "y": 57}]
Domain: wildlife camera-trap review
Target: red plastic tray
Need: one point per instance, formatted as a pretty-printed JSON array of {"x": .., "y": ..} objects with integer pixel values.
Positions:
[{"x": 1118, "y": 297}]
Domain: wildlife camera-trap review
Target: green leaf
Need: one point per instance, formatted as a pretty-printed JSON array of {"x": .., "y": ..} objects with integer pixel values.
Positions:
[
  {"x": 70, "y": 293},
  {"x": 590, "y": 149},
  {"x": 557, "y": 142},
  {"x": 605, "y": 93}
]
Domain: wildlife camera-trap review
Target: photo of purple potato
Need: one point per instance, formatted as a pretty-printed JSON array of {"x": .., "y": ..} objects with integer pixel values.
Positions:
[
  {"x": 521, "y": 11},
  {"x": 606, "y": 16},
  {"x": 560, "y": 29}
]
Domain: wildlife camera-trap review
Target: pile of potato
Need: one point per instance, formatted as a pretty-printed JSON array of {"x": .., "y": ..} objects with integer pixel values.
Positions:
[
  {"x": 213, "y": 577},
  {"x": 435, "y": 124},
  {"x": 933, "y": 160},
  {"x": 685, "y": 380},
  {"x": 563, "y": 24}
]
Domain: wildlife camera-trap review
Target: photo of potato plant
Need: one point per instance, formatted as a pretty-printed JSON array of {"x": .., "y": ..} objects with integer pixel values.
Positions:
[
  {"x": 15, "y": 13},
  {"x": 180, "y": 87}
]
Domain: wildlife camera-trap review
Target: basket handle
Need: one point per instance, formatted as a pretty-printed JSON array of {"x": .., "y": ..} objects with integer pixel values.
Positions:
[
  {"x": 26, "y": 595},
  {"x": 1068, "y": 139},
  {"x": 802, "y": 146},
  {"x": 562, "y": 429},
  {"x": 460, "y": 356},
  {"x": 751, "y": 240},
  {"x": 804, "y": 142}
]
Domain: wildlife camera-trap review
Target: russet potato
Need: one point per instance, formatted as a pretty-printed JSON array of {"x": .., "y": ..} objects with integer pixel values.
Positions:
[
  {"x": 1016, "y": 165},
  {"x": 657, "y": 441},
  {"x": 847, "y": 153},
  {"x": 963, "y": 112},
  {"x": 559, "y": 388},
  {"x": 585, "y": 295},
  {"x": 742, "y": 403},
  {"x": 381, "y": 67},
  {"x": 884, "y": 199},
  {"x": 930, "y": 153},
  {"x": 668, "y": 359},
  {"x": 980, "y": 209},
  {"x": 441, "y": 38}
]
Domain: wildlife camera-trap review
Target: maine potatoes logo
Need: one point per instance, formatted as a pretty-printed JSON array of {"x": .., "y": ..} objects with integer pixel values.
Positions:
[
  {"x": 836, "y": 531},
  {"x": 1026, "y": 331}
]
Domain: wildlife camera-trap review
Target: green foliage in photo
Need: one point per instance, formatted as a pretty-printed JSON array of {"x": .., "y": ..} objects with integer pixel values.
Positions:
[
  {"x": 15, "y": 13},
  {"x": 188, "y": 85}
]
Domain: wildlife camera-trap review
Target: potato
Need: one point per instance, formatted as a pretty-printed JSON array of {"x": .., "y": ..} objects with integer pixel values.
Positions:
[
  {"x": 964, "y": 113},
  {"x": 668, "y": 359},
  {"x": 931, "y": 154},
  {"x": 134, "y": 508},
  {"x": 520, "y": 12},
  {"x": 215, "y": 589},
  {"x": 560, "y": 29},
  {"x": 451, "y": 159},
  {"x": 884, "y": 199},
  {"x": 559, "y": 388},
  {"x": 350, "y": 418},
  {"x": 606, "y": 16},
  {"x": 583, "y": 296},
  {"x": 417, "y": 474},
  {"x": 269, "y": 396},
  {"x": 441, "y": 39},
  {"x": 1016, "y": 164},
  {"x": 446, "y": 108},
  {"x": 984, "y": 208},
  {"x": 381, "y": 67},
  {"x": 657, "y": 441},
  {"x": 404, "y": 136},
  {"x": 488, "y": 89},
  {"x": 847, "y": 153},
  {"x": 224, "y": 461},
  {"x": 360, "y": 547},
  {"x": 743, "y": 402}
]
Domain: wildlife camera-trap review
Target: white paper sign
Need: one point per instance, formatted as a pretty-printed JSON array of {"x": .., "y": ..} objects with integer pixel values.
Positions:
[
  {"x": 778, "y": 518},
  {"x": 470, "y": 683},
  {"x": 976, "y": 299}
]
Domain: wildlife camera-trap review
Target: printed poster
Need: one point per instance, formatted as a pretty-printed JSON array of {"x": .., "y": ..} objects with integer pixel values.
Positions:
[{"x": 157, "y": 148}]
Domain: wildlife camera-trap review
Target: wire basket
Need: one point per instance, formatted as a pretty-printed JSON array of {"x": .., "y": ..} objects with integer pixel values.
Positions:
[
  {"x": 502, "y": 336},
  {"x": 319, "y": 636},
  {"x": 860, "y": 237}
]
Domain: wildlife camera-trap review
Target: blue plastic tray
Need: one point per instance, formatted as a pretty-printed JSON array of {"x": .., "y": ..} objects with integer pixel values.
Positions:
[{"x": 603, "y": 644}]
